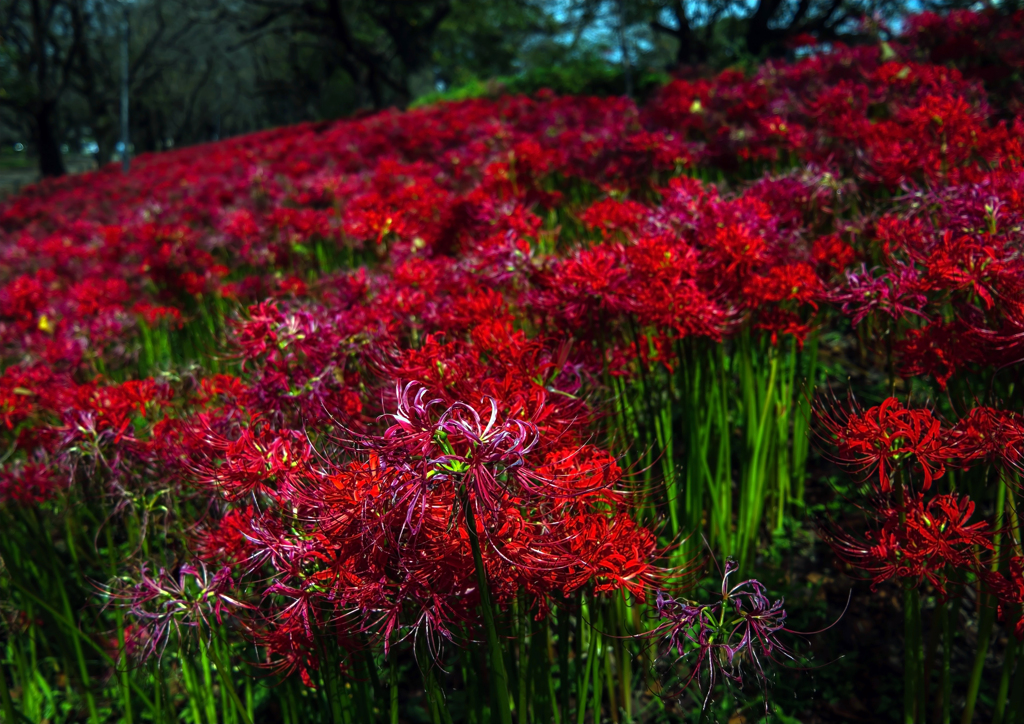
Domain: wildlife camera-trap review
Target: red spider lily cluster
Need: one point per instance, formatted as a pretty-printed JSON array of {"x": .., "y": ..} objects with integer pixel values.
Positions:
[
  {"x": 354, "y": 385},
  {"x": 919, "y": 534},
  {"x": 909, "y": 449},
  {"x": 371, "y": 534},
  {"x": 928, "y": 535}
]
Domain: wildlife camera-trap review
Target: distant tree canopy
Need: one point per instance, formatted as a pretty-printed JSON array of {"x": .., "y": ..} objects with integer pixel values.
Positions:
[{"x": 201, "y": 70}]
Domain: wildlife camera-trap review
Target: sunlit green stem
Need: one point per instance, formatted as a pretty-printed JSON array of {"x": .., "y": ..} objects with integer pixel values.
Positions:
[
  {"x": 759, "y": 443},
  {"x": 5, "y": 697},
  {"x": 588, "y": 671},
  {"x": 497, "y": 658}
]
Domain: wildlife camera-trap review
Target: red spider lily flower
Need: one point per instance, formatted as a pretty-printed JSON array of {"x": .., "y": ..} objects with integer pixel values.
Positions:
[
  {"x": 988, "y": 434},
  {"x": 255, "y": 458},
  {"x": 967, "y": 264},
  {"x": 789, "y": 282},
  {"x": 780, "y": 321},
  {"x": 371, "y": 534},
  {"x": 431, "y": 447},
  {"x": 936, "y": 350},
  {"x": 116, "y": 407},
  {"x": 1008, "y": 588},
  {"x": 883, "y": 437},
  {"x": 29, "y": 484},
  {"x": 615, "y": 553},
  {"x": 454, "y": 447},
  {"x": 155, "y": 314},
  {"x": 290, "y": 647},
  {"x": 528, "y": 380},
  {"x": 609, "y": 215},
  {"x": 916, "y": 541}
]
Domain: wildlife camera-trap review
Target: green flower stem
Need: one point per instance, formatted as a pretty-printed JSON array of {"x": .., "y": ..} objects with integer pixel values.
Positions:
[
  {"x": 653, "y": 419},
  {"x": 1009, "y": 659},
  {"x": 192, "y": 691},
  {"x": 544, "y": 667},
  {"x": 578, "y": 643},
  {"x": 985, "y": 622},
  {"x": 393, "y": 688},
  {"x": 588, "y": 674},
  {"x": 227, "y": 684},
  {"x": 68, "y": 615},
  {"x": 622, "y": 659},
  {"x": 944, "y": 613},
  {"x": 802, "y": 420},
  {"x": 563, "y": 660},
  {"x": 429, "y": 688},
  {"x": 77, "y": 634},
  {"x": 758, "y": 444},
  {"x": 1016, "y": 706},
  {"x": 119, "y": 614},
  {"x": 783, "y": 461},
  {"x": 5, "y": 698},
  {"x": 929, "y": 658},
  {"x": 912, "y": 654},
  {"x": 525, "y": 631},
  {"x": 988, "y": 610},
  {"x": 83, "y": 668},
  {"x": 609, "y": 682},
  {"x": 158, "y": 681},
  {"x": 208, "y": 697},
  {"x": 723, "y": 476},
  {"x": 497, "y": 659},
  {"x": 123, "y": 679}
]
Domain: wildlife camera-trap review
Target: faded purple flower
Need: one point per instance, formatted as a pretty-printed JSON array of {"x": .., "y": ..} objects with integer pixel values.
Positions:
[
  {"x": 897, "y": 292},
  {"x": 719, "y": 640},
  {"x": 160, "y": 603}
]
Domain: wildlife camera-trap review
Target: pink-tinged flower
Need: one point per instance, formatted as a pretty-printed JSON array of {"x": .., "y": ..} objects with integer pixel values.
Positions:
[
  {"x": 433, "y": 446},
  {"x": 718, "y": 641},
  {"x": 166, "y": 603},
  {"x": 898, "y": 292}
]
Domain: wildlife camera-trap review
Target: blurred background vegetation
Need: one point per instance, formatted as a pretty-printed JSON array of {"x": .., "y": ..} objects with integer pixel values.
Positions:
[{"x": 200, "y": 70}]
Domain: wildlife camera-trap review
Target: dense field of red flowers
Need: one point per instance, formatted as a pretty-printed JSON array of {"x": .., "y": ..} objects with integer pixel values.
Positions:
[{"x": 452, "y": 414}]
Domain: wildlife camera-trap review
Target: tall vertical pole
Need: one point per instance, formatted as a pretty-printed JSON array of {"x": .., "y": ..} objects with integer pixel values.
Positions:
[{"x": 125, "y": 159}]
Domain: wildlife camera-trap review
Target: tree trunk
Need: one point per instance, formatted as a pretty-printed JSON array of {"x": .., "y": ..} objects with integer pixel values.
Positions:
[
  {"x": 759, "y": 35},
  {"x": 692, "y": 50},
  {"x": 51, "y": 160}
]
